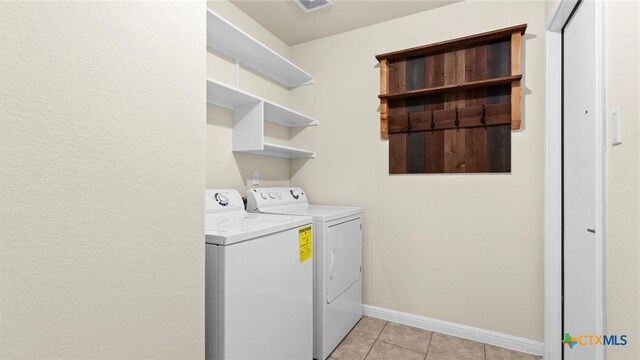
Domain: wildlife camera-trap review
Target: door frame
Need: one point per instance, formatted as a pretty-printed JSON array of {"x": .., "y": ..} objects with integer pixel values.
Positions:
[{"x": 558, "y": 17}]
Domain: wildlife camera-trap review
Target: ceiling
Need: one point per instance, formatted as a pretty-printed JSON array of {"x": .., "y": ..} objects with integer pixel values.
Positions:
[{"x": 286, "y": 20}]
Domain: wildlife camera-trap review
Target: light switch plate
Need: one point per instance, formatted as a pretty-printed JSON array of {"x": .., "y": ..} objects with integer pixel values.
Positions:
[
  {"x": 616, "y": 131},
  {"x": 256, "y": 178}
]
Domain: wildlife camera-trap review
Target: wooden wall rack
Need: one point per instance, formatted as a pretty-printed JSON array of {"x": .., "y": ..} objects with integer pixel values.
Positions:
[{"x": 462, "y": 84}]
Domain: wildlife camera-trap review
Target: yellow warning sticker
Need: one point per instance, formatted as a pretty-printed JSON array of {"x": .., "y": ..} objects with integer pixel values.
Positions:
[{"x": 305, "y": 237}]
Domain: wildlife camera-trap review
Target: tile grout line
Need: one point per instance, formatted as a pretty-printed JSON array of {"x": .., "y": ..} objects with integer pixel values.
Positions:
[
  {"x": 429, "y": 345},
  {"x": 376, "y": 340},
  {"x": 349, "y": 334},
  {"x": 400, "y": 346},
  {"x": 380, "y": 333},
  {"x": 345, "y": 338}
]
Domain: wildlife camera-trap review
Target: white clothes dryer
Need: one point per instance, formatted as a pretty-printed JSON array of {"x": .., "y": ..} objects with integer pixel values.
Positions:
[
  {"x": 337, "y": 252},
  {"x": 259, "y": 282}
]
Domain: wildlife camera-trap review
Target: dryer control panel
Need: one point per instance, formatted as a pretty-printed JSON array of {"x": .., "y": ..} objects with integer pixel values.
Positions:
[
  {"x": 264, "y": 197},
  {"x": 219, "y": 200}
]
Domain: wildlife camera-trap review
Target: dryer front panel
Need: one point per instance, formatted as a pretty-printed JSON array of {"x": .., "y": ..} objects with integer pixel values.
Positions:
[{"x": 343, "y": 257}]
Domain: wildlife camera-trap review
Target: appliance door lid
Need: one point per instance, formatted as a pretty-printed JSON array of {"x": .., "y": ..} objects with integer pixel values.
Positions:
[
  {"x": 318, "y": 212},
  {"x": 237, "y": 226},
  {"x": 343, "y": 258}
]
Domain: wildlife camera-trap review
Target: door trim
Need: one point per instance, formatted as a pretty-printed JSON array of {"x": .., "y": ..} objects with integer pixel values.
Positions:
[{"x": 553, "y": 177}]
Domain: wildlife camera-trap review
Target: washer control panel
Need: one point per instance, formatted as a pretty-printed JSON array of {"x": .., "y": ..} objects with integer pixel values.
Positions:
[
  {"x": 265, "y": 197},
  {"x": 217, "y": 200}
]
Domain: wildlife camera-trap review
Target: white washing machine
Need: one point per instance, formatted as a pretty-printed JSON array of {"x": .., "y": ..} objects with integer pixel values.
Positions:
[
  {"x": 259, "y": 282},
  {"x": 337, "y": 251}
]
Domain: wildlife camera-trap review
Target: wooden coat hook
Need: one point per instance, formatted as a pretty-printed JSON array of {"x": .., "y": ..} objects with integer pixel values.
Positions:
[{"x": 457, "y": 120}]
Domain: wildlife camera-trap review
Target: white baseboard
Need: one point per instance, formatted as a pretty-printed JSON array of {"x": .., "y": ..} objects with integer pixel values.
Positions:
[{"x": 463, "y": 331}]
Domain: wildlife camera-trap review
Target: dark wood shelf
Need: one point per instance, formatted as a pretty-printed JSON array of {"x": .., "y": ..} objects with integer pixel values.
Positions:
[
  {"x": 504, "y": 33},
  {"x": 450, "y": 88},
  {"x": 450, "y": 106}
]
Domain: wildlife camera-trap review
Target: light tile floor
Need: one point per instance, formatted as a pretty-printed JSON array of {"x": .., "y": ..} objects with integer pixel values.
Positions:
[{"x": 375, "y": 339}]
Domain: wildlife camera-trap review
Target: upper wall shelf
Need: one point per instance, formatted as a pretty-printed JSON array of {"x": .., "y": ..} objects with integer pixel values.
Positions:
[
  {"x": 242, "y": 47},
  {"x": 454, "y": 87}
]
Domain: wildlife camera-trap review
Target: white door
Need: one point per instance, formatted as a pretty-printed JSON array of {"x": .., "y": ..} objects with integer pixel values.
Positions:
[
  {"x": 579, "y": 180},
  {"x": 344, "y": 252}
]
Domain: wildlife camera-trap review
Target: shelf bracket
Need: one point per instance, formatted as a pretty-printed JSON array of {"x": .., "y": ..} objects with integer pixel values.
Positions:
[
  {"x": 236, "y": 74},
  {"x": 384, "y": 105},
  {"x": 516, "y": 117}
]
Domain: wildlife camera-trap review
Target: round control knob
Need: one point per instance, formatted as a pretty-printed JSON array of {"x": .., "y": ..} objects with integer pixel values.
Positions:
[
  {"x": 264, "y": 195},
  {"x": 272, "y": 195},
  {"x": 294, "y": 194},
  {"x": 222, "y": 200}
]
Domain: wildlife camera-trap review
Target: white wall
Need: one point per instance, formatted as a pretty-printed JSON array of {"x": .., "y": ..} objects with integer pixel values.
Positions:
[
  {"x": 623, "y": 177},
  {"x": 460, "y": 248},
  {"x": 102, "y": 146},
  {"x": 226, "y": 169}
]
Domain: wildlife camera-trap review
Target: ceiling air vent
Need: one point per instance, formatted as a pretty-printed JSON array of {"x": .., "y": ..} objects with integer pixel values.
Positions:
[{"x": 313, "y": 5}]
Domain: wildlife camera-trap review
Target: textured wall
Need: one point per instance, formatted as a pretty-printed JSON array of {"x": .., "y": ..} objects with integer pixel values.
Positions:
[
  {"x": 460, "y": 248},
  {"x": 102, "y": 145}
]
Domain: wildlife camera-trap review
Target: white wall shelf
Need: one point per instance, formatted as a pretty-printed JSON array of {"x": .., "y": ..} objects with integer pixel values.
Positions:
[
  {"x": 283, "y": 152},
  {"x": 251, "y": 111},
  {"x": 286, "y": 117},
  {"x": 249, "y": 114},
  {"x": 229, "y": 97},
  {"x": 242, "y": 47}
]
